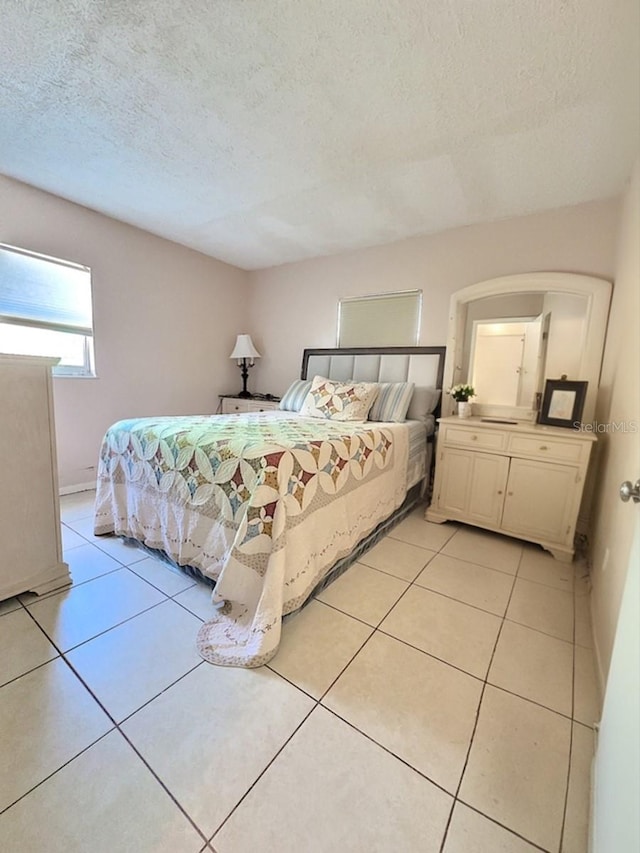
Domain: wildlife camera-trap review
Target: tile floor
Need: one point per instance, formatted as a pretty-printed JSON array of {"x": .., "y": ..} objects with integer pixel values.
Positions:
[{"x": 439, "y": 696}]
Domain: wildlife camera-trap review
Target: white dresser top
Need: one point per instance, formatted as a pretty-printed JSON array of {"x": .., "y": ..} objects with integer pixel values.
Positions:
[{"x": 522, "y": 427}]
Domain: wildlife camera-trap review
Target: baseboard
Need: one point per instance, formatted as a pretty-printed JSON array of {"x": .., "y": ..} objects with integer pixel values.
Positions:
[
  {"x": 79, "y": 487},
  {"x": 582, "y": 524},
  {"x": 593, "y": 805}
]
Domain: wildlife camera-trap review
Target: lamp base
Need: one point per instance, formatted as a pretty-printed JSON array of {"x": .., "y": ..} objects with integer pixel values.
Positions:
[{"x": 244, "y": 395}]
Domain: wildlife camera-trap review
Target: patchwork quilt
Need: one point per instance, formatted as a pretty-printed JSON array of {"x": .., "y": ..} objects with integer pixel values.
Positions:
[{"x": 264, "y": 503}]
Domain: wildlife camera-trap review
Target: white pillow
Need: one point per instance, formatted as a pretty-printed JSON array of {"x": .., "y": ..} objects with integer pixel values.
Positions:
[
  {"x": 423, "y": 403},
  {"x": 339, "y": 401}
]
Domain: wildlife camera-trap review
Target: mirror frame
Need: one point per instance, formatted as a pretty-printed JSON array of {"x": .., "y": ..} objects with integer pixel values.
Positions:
[{"x": 597, "y": 292}]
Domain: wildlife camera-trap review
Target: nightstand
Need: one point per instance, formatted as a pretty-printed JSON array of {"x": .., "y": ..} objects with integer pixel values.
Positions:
[{"x": 230, "y": 405}]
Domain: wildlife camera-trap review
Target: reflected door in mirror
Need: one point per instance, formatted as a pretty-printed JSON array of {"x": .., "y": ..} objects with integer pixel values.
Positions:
[{"x": 507, "y": 360}]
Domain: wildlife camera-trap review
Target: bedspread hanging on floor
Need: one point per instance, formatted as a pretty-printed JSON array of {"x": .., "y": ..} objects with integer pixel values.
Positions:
[{"x": 264, "y": 504}]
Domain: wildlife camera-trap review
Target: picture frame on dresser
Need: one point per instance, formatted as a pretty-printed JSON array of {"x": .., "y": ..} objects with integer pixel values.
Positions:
[{"x": 563, "y": 403}]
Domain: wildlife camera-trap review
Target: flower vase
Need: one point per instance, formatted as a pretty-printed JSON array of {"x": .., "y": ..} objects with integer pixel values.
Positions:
[{"x": 464, "y": 409}]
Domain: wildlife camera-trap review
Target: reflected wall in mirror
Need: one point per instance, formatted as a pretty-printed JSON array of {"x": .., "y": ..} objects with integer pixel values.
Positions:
[{"x": 508, "y": 335}]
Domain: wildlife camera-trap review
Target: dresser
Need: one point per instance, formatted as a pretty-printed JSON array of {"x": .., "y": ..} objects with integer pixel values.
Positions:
[
  {"x": 524, "y": 480},
  {"x": 234, "y": 405},
  {"x": 30, "y": 537}
]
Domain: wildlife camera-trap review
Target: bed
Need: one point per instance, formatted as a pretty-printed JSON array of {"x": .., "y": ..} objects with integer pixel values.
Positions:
[{"x": 269, "y": 506}]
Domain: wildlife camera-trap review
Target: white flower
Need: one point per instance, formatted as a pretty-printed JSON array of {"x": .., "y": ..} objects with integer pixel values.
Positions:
[{"x": 462, "y": 393}]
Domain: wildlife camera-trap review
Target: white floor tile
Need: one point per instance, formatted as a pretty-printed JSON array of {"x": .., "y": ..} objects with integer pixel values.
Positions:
[
  {"x": 130, "y": 664},
  {"x": 535, "y": 666},
  {"x": 538, "y": 565},
  {"x": 420, "y": 709},
  {"x": 407, "y": 693},
  {"x": 209, "y": 736},
  {"x": 168, "y": 580},
  {"x": 115, "y": 546},
  {"x": 70, "y": 539},
  {"x": 88, "y": 562},
  {"x": 415, "y": 530},
  {"x": 197, "y": 599},
  {"x": 517, "y": 768},
  {"x": 364, "y": 593},
  {"x": 23, "y": 645},
  {"x": 401, "y": 559},
  {"x": 77, "y": 505},
  {"x": 316, "y": 645},
  {"x": 575, "y": 837},
  {"x": 9, "y": 605},
  {"x": 105, "y": 801},
  {"x": 312, "y": 800},
  {"x": 467, "y": 582},
  {"x": 437, "y": 625},
  {"x": 83, "y": 612},
  {"x": 543, "y": 608},
  {"x": 581, "y": 576},
  {"x": 470, "y": 832},
  {"x": 485, "y": 549},
  {"x": 46, "y": 718},
  {"x": 126, "y": 552}
]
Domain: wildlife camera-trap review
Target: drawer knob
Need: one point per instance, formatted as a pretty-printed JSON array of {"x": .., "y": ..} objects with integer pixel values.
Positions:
[
  {"x": 499, "y": 491},
  {"x": 543, "y": 447},
  {"x": 510, "y": 494},
  {"x": 474, "y": 438}
]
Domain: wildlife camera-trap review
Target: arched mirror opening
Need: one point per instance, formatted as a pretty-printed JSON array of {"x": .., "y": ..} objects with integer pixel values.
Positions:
[{"x": 508, "y": 336}]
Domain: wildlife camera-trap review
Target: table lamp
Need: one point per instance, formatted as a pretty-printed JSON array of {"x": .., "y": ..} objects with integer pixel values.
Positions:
[{"x": 244, "y": 352}]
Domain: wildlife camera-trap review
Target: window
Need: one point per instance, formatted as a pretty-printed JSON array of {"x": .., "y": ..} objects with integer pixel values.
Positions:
[
  {"x": 382, "y": 320},
  {"x": 45, "y": 309}
]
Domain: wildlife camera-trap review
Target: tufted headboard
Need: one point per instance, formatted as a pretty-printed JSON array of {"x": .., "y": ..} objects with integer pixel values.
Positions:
[{"x": 423, "y": 366}]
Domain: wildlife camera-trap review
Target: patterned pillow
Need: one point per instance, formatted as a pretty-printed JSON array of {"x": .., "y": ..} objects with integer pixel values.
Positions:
[
  {"x": 339, "y": 401},
  {"x": 392, "y": 402},
  {"x": 295, "y": 395}
]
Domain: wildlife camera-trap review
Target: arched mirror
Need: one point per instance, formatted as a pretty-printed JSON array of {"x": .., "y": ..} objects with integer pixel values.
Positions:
[{"x": 508, "y": 335}]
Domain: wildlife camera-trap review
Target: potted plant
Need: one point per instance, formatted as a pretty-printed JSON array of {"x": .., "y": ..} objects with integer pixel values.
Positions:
[{"x": 462, "y": 394}]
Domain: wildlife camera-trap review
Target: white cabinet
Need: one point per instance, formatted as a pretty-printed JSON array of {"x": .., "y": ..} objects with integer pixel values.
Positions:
[
  {"x": 523, "y": 480},
  {"x": 549, "y": 517},
  {"x": 30, "y": 538},
  {"x": 473, "y": 485},
  {"x": 235, "y": 405}
]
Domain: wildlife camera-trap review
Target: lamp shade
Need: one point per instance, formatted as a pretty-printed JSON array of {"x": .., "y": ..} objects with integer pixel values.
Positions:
[{"x": 244, "y": 348}]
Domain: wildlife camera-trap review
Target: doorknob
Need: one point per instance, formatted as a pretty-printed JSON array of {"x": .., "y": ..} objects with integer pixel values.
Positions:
[{"x": 630, "y": 491}]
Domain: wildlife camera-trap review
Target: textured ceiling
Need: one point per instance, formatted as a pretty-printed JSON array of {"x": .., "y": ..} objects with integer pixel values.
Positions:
[{"x": 265, "y": 131}]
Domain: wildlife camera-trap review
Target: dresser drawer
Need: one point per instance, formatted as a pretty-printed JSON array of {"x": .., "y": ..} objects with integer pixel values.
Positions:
[
  {"x": 486, "y": 439},
  {"x": 231, "y": 406},
  {"x": 235, "y": 405},
  {"x": 548, "y": 448},
  {"x": 263, "y": 406}
]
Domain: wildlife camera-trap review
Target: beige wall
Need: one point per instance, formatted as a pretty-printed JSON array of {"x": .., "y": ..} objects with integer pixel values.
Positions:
[
  {"x": 295, "y": 305},
  {"x": 165, "y": 321},
  {"x": 166, "y": 317},
  {"x": 619, "y": 402}
]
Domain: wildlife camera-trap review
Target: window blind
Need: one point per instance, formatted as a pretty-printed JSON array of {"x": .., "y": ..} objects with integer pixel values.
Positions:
[
  {"x": 39, "y": 291},
  {"x": 386, "y": 320}
]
